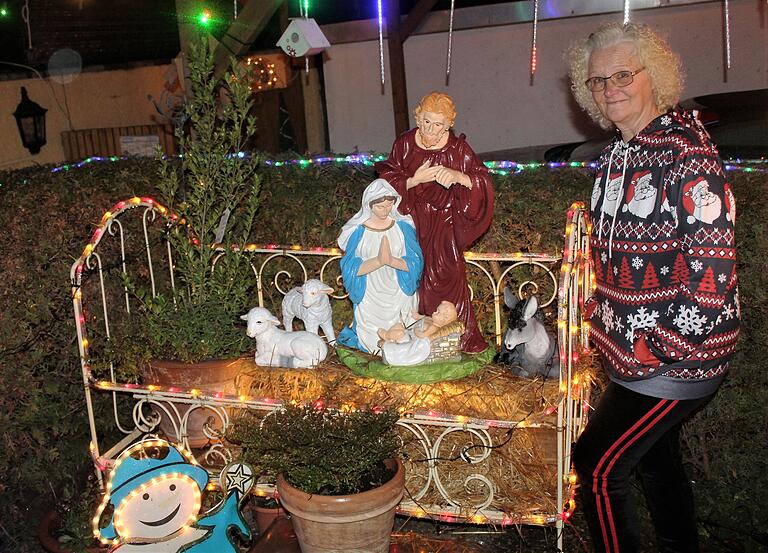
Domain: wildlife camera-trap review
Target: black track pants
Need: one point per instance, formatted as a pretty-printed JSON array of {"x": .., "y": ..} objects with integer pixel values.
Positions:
[{"x": 627, "y": 431}]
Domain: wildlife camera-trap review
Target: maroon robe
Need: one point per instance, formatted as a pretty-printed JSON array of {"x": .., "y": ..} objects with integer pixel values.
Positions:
[{"x": 447, "y": 222}]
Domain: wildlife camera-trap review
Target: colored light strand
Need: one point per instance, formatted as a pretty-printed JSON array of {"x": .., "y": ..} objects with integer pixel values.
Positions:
[
  {"x": 304, "y": 12},
  {"x": 450, "y": 44},
  {"x": 193, "y": 393},
  {"x": 534, "y": 49},
  {"x": 727, "y": 35},
  {"x": 499, "y": 167},
  {"x": 381, "y": 42}
]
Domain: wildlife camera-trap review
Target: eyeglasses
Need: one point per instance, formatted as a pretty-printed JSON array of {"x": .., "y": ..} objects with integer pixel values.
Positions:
[{"x": 620, "y": 79}]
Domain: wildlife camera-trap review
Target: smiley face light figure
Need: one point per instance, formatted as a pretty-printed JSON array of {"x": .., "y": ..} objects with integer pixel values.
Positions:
[{"x": 156, "y": 503}]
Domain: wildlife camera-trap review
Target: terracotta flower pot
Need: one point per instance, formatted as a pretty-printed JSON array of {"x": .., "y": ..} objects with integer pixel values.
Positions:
[
  {"x": 213, "y": 375},
  {"x": 47, "y": 532},
  {"x": 265, "y": 516},
  {"x": 358, "y": 523}
]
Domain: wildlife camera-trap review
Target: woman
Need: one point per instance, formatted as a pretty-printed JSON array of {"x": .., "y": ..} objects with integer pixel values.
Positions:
[
  {"x": 665, "y": 312},
  {"x": 381, "y": 266}
]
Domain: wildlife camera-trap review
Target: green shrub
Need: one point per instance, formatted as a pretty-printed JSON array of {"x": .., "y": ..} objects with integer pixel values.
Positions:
[
  {"x": 46, "y": 219},
  {"x": 318, "y": 450}
]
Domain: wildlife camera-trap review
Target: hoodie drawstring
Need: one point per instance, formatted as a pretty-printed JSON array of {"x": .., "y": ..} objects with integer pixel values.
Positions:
[
  {"x": 618, "y": 201},
  {"x": 607, "y": 180}
]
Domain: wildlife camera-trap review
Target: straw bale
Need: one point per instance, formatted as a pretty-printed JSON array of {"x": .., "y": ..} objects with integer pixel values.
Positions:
[
  {"x": 521, "y": 467},
  {"x": 492, "y": 393}
]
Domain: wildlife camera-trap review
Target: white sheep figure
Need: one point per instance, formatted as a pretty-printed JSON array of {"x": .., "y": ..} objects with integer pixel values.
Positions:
[
  {"x": 310, "y": 303},
  {"x": 276, "y": 347}
]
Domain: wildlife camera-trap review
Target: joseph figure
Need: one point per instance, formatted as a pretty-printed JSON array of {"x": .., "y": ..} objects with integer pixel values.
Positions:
[{"x": 448, "y": 192}]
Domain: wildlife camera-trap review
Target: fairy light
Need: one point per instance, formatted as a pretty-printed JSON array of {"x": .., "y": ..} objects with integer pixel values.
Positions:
[
  {"x": 119, "y": 526},
  {"x": 498, "y": 167},
  {"x": 626, "y": 11},
  {"x": 380, "y": 14},
  {"x": 265, "y": 77},
  {"x": 450, "y": 43},
  {"x": 534, "y": 51},
  {"x": 727, "y": 35},
  {"x": 195, "y": 393}
]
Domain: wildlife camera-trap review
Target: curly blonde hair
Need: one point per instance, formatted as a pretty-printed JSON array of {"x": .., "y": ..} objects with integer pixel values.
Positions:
[
  {"x": 437, "y": 102},
  {"x": 652, "y": 52}
]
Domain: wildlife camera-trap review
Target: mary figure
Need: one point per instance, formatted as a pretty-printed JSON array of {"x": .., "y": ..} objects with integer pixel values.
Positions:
[{"x": 381, "y": 267}]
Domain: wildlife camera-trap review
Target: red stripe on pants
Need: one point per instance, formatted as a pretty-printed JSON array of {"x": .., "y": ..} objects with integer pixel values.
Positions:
[{"x": 618, "y": 443}]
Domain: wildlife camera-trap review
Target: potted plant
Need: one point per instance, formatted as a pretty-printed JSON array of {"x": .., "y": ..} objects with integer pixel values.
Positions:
[
  {"x": 190, "y": 337},
  {"x": 338, "y": 474},
  {"x": 266, "y": 510}
]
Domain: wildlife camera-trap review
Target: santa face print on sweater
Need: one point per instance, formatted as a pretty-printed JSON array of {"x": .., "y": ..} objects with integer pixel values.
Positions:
[
  {"x": 641, "y": 195},
  {"x": 596, "y": 190},
  {"x": 612, "y": 192},
  {"x": 700, "y": 204}
]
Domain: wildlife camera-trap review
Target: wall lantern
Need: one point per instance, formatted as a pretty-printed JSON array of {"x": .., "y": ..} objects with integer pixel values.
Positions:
[{"x": 30, "y": 118}]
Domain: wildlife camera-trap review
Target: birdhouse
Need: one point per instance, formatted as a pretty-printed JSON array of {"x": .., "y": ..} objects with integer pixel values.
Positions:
[{"x": 303, "y": 37}]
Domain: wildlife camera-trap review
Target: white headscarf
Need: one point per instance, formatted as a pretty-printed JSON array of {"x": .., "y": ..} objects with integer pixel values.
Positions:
[{"x": 377, "y": 189}]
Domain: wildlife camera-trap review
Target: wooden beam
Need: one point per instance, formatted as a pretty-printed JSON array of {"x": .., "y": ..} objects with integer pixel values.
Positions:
[
  {"x": 397, "y": 68},
  {"x": 243, "y": 31},
  {"x": 185, "y": 17},
  {"x": 415, "y": 17}
]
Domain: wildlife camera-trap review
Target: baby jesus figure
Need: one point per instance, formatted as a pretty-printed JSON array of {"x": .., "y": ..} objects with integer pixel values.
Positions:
[{"x": 411, "y": 346}]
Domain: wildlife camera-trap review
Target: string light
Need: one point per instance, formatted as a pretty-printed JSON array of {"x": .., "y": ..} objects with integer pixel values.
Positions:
[
  {"x": 626, "y": 11},
  {"x": 380, "y": 12},
  {"x": 450, "y": 43},
  {"x": 500, "y": 167},
  {"x": 727, "y": 35},
  {"x": 135, "y": 448},
  {"x": 265, "y": 77},
  {"x": 534, "y": 52},
  {"x": 197, "y": 394}
]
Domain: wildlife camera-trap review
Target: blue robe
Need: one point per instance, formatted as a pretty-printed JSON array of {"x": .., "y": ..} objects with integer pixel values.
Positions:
[{"x": 357, "y": 286}]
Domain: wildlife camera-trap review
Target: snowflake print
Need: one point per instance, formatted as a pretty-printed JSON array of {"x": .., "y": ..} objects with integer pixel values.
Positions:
[
  {"x": 603, "y": 257},
  {"x": 714, "y": 323},
  {"x": 615, "y": 270},
  {"x": 618, "y": 324},
  {"x": 728, "y": 311},
  {"x": 664, "y": 270},
  {"x": 670, "y": 309},
  {"x": 607, "y": 316},
  {"x": 721, "y": 278},
  {"x": 642, "y": 319},
  {"x": 690, "y": 321},
  {"x": 666, "y": 120},
  {"x": 630, "y": 335},
  {"x": 637, "y": 263},
  {"x": 697, "y": 265}
]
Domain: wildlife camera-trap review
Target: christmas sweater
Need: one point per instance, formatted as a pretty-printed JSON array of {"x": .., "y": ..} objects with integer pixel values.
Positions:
[{"x": 663, "y": 253}]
